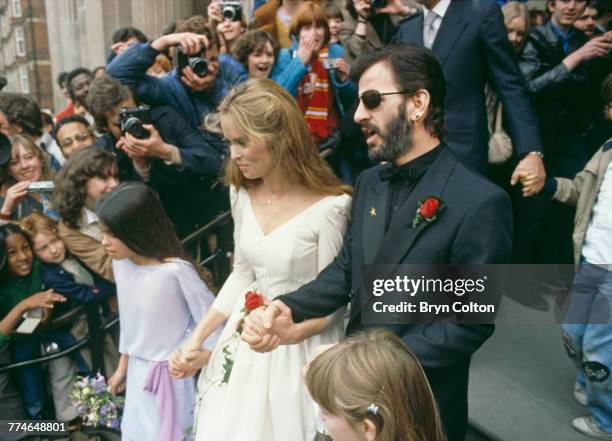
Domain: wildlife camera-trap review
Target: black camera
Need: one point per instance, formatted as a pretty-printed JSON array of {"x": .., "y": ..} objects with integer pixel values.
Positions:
[
  {"x": 199, "y": 65},
  {"x": 377, "y": 4},
  {"x": 131, "y": 121},
  {"x": 232, "y": 11}
]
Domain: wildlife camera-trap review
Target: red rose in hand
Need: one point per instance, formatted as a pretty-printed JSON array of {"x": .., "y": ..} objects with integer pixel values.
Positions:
[
  {"x": 429, "y": 208},
  {"x": 253, "y": 300}
]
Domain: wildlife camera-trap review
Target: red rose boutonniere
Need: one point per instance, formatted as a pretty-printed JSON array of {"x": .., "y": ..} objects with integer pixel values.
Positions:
[{"x": 427, "y": 210}]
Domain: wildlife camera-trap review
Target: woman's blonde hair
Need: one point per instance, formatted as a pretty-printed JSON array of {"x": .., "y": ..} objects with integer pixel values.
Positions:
[
  {"x": 512, "y": 10},
  {"x": 37, "y": 223},
  {"x": 374, "y": 376},
  {"x": 265, "y": 112},
  {"x": 30, "y": 147}
]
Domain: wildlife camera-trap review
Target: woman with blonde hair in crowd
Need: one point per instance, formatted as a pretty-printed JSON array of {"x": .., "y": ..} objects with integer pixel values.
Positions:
[
  {"x": 371, "y": 387},
  {"x": 290, "y": 213},
  {"x": 28, "y": 164}
]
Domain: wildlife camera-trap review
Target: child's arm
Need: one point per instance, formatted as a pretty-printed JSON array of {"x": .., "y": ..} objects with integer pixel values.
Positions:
[
  {"x": 64, "y": 283},
  {"x": 116, "y": 382},
  {"x": 44, "y": 299}
]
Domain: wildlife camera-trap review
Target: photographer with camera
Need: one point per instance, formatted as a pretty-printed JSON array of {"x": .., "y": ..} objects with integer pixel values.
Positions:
[
  {"x": 227, "y": 18},
  {"x": 159, "y": 145},
  {"x": 315, "y": 72},
  {"x": 370, "y": 24},
  {"x": 200, "y": 80},
  {"x": 28, "y": 180}
]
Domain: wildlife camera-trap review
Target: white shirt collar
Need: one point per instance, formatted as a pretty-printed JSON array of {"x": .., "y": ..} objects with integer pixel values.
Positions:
[
  {"x": 439, "y": 9},
  {"x": 89, "y": 217}
]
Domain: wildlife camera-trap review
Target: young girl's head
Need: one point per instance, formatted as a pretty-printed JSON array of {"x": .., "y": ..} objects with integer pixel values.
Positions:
[
  {"x": 371, "y": 387},
  {"x": 19, "y": 257},
  {"x": 88, "y": 173},
  {"x": 134, "y": 224},
  {"x": 46, "y": 243}
]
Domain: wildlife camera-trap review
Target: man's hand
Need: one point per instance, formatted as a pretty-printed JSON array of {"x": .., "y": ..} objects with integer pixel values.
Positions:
[
  {"x": 191, "y": 43},
  {"x": 395, "y": 7},
  {"x": 531, "y": 164},
  {"x": 152, "y": 147},
  {"x": 196, "y": 82},
  {"x": 529, "y": 181},
  {"x": 594, "y": 48},
  {"x": 265, "y": 328}
]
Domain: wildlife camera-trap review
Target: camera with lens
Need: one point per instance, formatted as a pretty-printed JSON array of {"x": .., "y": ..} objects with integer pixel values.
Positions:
[
  {"x": 199, "y": 65},
  {"x": 232, "y": 11},
  {"x": 131, "y": 120}
]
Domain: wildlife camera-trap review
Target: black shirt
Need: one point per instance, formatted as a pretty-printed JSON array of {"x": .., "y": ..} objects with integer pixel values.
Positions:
[{"x": 404, "y": 179}]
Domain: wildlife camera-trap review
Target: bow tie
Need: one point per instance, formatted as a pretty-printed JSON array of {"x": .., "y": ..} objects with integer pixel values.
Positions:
[{"x": 393, "y": 173}]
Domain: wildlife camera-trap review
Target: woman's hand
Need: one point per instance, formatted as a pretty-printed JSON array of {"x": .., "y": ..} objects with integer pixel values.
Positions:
[
  {"x": 186, "y": 362},
  {"x": 15, "y": 194},
  {"x": 306, "y": 47},
  {"x": 215, "y": 16},
  {"x": 342, "y": 70},
  {"x": 45, "y": 300}
]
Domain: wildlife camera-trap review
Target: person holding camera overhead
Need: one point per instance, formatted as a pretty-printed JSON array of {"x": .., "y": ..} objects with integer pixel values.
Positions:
[
  {"x": 227, "y": 18},
  {"x": 315, "y": 72},
  {"x": 201, "y": 78},
  {"x": 25, "y": 180}
]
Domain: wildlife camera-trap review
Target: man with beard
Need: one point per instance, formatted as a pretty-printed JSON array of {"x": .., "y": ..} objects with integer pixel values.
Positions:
[{"x": 401, "y": 112}]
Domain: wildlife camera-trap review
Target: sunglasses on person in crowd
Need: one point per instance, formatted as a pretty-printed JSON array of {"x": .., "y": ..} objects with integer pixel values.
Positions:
[
  {"x": 371, "y": 99},
  {"x": 67, "y": 142}
]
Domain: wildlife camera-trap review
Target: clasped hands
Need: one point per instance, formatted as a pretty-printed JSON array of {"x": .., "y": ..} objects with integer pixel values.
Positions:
[{"x": 531, "y": 174}]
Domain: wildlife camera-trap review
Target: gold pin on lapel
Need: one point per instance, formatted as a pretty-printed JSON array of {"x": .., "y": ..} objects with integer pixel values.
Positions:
[{"x": 372, "y": 211}]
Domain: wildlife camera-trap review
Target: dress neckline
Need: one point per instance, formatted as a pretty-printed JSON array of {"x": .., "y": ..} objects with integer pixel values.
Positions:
[{"x": 288, "y": 221}]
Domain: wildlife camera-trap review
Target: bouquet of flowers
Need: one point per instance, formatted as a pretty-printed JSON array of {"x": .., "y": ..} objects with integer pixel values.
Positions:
[{"x": 96, "y": 405}]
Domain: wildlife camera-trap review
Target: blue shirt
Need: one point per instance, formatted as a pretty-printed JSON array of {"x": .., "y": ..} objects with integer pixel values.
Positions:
[{"x": 566, "y": 37}]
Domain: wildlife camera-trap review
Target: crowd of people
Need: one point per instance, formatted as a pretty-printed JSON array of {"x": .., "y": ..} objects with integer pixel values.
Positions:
[{"x": 322, "y": 126}]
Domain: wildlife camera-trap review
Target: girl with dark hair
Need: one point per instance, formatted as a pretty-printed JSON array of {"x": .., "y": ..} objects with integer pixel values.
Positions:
[
  {"x": 156, "y": 284},
  {"x": 21, "y": 291},
  {"x": 89, "y": 173}
]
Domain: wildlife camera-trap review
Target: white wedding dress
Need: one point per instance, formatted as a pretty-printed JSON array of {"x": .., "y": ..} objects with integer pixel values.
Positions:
[{"x": 264, "y": 398}]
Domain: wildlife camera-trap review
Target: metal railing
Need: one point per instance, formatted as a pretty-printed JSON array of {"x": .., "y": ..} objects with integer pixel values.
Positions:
[{"x": 217, "y": 259}]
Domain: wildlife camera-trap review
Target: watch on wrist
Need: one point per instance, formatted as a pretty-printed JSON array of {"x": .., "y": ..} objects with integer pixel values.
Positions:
[{"x": 537, "y": 153}]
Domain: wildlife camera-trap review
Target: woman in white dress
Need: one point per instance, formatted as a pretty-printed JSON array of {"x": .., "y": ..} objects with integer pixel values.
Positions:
[{"x": 290, "y": 214}]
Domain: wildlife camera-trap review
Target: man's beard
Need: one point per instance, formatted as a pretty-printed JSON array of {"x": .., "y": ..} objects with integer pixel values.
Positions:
[{"x": 397, "y": 139}]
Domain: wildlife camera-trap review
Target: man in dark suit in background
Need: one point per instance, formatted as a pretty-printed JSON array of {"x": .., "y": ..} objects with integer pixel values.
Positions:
[
  {"x": 469, "y": 39},
  {"x": 402, "y": 92}
]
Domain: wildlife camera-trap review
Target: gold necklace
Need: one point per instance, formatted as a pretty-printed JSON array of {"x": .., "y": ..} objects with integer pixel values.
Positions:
[{"x": 269, "y": 201}]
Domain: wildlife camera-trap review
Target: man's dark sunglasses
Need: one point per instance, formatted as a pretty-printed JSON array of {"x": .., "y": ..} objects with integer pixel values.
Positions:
[{"x": 371, "y": 99}]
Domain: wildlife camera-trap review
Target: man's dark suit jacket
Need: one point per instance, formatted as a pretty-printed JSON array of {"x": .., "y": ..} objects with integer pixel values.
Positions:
[
  {"x": 475, "y": 227},
  {"x": 473, "y": 48}
]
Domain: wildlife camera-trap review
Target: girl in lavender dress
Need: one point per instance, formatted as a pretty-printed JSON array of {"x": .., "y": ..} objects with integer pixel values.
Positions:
[{"x": 161, "y": 298}]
